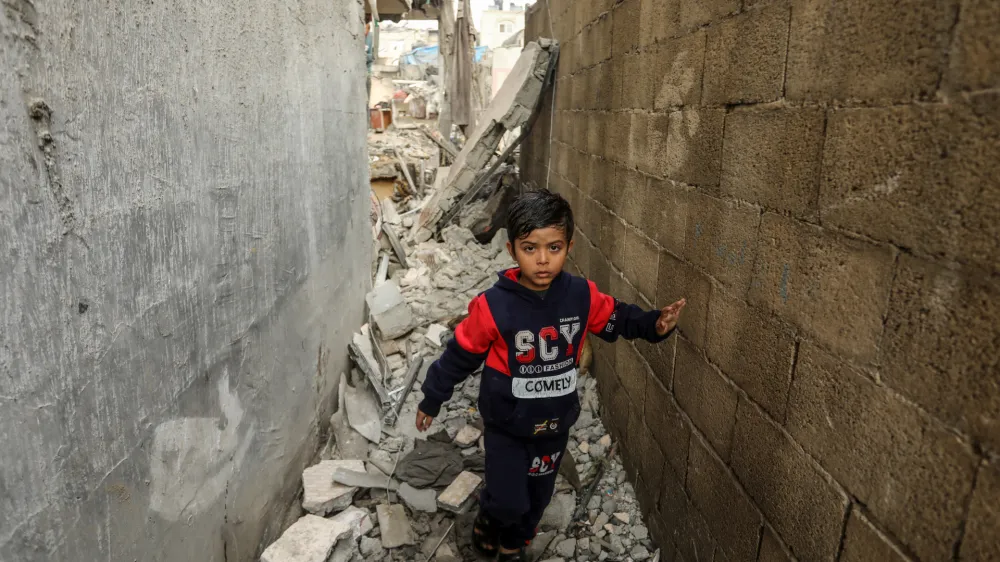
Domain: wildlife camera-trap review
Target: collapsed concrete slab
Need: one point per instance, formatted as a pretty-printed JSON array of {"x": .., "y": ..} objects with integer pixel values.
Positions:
[
  {"x": 310, "y": 539},
  {"x": 511, "y": 108}
]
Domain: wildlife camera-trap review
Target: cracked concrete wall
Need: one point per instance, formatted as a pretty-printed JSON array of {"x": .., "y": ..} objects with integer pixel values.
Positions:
[
  {"x": 819, "y": 179},
  {"x": 184, "y": 251}
]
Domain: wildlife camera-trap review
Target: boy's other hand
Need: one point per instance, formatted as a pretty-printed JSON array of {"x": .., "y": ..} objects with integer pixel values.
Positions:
[
  {"x": 423, "y": 421},
  {"x": 669, "y": 316}
]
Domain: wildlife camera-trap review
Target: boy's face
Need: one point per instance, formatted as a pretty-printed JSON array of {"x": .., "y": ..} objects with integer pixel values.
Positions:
[{"x": 540, "y": 255}]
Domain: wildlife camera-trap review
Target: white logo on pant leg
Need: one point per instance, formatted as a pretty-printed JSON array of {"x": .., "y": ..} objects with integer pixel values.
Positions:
[
  {"x": 544, "y": 465},
  {"x": 544, "y": 387}
]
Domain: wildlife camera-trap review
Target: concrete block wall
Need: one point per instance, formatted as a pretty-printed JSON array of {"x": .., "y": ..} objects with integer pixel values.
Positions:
[{"x": 820, "y": 180}]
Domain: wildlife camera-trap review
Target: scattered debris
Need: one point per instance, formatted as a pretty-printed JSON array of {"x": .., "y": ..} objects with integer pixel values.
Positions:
[
  {"x": 458, "y": 495},
  {"x": 389, "y": 310},
  {"x": 321, "y": 495},
  {"x": 468, "y": 436},
  {"x": 394, "y": 526},
  {"x": 363, "y": 413},
  {"x": 310, "y": 539},
  {"x": 363, "y": 479},
  {"x": 434, "y": 333}
]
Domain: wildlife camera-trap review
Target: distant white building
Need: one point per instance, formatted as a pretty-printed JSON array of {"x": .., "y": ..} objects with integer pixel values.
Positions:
[{"x": 501, "y": 21}]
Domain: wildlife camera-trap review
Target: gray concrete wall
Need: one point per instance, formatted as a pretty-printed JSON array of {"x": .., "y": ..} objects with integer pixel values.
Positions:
[{"x": 183, "y": 256}]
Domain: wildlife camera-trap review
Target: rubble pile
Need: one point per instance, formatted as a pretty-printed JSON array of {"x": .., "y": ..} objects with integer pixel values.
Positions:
[{"x": 382, "y": 491}]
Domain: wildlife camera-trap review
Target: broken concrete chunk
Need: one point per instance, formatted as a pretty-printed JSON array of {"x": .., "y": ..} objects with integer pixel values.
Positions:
[
  {"x": 353, "y": 521},
  {"x": 310, "y": 539},
  {"x": 362, "y": 479},
  {"x": 417, "y": 499},
  {"x": 559, "y": 513},
  {"x": 395, "y": 527},
  {"x": 320, "y": 494},
  {"x": 434, "y": 333},
  {"x": 363, "y": 413},
  {"x": 467, "y": 436},
  {"x": 389, "y": 310},
  {"x": 455, "y": 497},
  {"x": 622, "y": 516}
]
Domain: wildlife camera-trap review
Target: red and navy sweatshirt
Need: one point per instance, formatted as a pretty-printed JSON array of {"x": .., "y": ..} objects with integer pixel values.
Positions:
[{"x": 531, "y": 346}]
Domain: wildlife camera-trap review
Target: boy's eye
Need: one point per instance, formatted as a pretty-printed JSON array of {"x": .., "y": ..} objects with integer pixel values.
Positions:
[{"x": 555, "y": 248}]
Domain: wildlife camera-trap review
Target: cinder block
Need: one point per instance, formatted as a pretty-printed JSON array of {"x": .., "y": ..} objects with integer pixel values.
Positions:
[
  {"x": 600, "y": 268},
  {"x": 597, "y": 130},
  {"x": 693, "y": 150},
  {"x": 667, "y": 221},
  {"x": 864, "y": 543},
  {"x": 600, "y": 38},
  {"x": 676, "y": 279},
  {"x": 634, "y": 196},
  {"x": 618, "y": 65},
  {"x": 707, "y": 398},
  {"x": 650, "y": 459},
  {"x": 805, "y": 510},
  {"x": 722, "y": 238},
  {"x": 773, "y": 158},
  {"x": 833, "y": 287},
  {"x": 602, "y": 89},
  {"x": 980, "y": 542},
  {"x": 745, "y": 58},
  {"x": 679, "y": 69},
  {"x": 754, "y": 350},
  {"x": 731, "y": 516},
  {"x": 624, "y": 23},
  {"x": 632, "y": 372},
  {"x": 617, "y": 412},
  {"x": 914, "y": 176},
  {"x": 660, "y": 19},
  {"x": 647, "y": 141},
  {"x": 619, "y": 129},
  {"x": 771, "y": 548},
  {"x": 641, "y": 263},
  {"x": 639, "y": 84},
  {"x": 940, "y": 345},
  {"x": 975, "y": 54},
  {"x": 667, "y": 425},
  {"x": 696, "y": 13},
  {"x": 621, "y": 289},
  {"x": 879, "y": 51},
  {"x": 660, "y": 357},
  {"x": 907, "y": 468},
  {"x": 613, "y": 239}
]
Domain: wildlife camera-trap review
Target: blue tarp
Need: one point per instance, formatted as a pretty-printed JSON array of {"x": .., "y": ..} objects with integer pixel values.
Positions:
[{"x": 429, "y": 55}]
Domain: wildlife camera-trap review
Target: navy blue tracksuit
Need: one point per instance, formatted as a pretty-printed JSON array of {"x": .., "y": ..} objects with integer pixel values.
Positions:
[{"x": 528, "y": 396}]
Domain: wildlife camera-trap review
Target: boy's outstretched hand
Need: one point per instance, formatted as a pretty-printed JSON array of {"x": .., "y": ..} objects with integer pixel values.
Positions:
[
  {"x": 423, "y": 421},
  {"x": 669, "y": 316}
]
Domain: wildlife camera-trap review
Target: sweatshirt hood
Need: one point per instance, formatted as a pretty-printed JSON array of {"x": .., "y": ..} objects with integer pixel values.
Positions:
[{"x": 508, "y": 281}]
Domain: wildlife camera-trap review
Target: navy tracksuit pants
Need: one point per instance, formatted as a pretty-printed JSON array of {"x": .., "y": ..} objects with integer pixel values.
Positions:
[{"x": 520, "y": 479}]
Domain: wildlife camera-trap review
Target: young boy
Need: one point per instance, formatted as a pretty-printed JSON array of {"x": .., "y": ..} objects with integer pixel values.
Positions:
[{"x": 529, "y": 328}]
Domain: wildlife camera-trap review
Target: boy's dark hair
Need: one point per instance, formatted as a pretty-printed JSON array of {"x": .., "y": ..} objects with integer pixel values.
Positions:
[{"x": 538, "y": 209}]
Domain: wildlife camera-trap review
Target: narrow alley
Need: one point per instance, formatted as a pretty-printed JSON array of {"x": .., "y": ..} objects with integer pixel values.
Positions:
[{"x": 236, "y": 236}]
